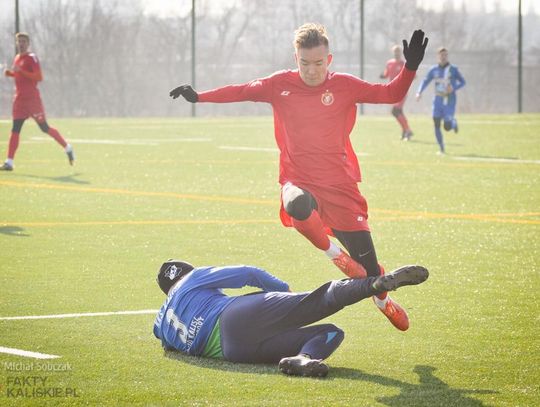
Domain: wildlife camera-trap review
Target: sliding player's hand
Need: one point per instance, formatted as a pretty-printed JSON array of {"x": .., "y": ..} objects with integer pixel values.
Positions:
[
  {"x": 414, "y": 50},
  {"x": 186, "y": 91}
]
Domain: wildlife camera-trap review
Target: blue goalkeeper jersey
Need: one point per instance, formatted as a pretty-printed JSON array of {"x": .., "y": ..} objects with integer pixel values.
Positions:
[
  {"x": 193, "y": 306},
  {"x": 443, "y": 76}
]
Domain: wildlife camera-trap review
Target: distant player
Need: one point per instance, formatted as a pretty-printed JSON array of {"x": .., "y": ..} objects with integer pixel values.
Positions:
[
  {"x": 314, "y": 114},
  {"x": 392, "y": 69},
  {"x": 198, "y": 319},
  {"x": 27, "y": 100},
  {"x": 448, "y": 80}
]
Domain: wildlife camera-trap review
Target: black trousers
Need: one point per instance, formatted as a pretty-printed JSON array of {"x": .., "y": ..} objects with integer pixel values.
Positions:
[{"x": 265, "y": 327}]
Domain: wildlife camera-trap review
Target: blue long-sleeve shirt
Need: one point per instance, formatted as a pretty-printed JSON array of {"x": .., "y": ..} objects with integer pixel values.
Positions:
[
  {"x": 443, "y": 76},
  {"x": 193, "y": 306}
]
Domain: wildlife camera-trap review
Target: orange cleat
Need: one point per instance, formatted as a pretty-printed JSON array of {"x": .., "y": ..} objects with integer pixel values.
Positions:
[
  {"x": 349, "y": 267},
  {"x": 395, "y": 314},
  {"x": 405, "y": 275}
]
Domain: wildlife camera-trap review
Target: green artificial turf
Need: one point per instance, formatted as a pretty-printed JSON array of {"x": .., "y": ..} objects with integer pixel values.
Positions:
[{"x": 90, "y": 238}]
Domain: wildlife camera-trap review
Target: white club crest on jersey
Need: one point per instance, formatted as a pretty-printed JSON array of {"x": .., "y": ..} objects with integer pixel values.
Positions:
[
  {"x": 327, "y": 98},
  {"x": 285, "y": 93}
]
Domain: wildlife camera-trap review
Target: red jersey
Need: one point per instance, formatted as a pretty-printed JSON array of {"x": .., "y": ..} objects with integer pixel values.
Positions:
[
  {"x": 27, "y": 78},
  {"x": 312, "y": 124},
  {"x": 393, "y": 68}
]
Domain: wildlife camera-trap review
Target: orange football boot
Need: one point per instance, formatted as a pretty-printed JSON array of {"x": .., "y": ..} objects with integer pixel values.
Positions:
[{"x": 348, "y": 266}]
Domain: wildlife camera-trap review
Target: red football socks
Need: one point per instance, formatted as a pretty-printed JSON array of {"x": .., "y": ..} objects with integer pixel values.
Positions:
[
  {"x": 313, "y": 229},
  {"x": 13, "y": 144},
  {"x": 56, "y": 135},
  {"x": 382, "y": 296}
]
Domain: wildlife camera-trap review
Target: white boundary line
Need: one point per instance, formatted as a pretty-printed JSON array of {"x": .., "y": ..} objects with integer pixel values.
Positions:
[
  {"x": 83, "y": 314},
  {"x": 37, "y": 355},
  {"x": 130, "y": 142},
  {"x": 103, "y": 141},
  {"x": 497, "y": 160},
  {"x": 27, "y": 353}
]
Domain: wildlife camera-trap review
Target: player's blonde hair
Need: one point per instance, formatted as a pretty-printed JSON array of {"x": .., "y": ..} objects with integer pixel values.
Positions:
[
  {"x": 23, "y": 35},
  {"x": 442, "y": 49},
  {"x": 310, "y": 35}
]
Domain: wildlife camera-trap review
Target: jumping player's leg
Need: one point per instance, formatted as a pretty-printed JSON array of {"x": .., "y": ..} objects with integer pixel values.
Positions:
[
  {"x": 361, "y": 248},
  {"x": 301, "y": 206}
]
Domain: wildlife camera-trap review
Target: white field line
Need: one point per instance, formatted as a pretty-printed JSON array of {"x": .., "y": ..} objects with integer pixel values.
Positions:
[
  {"x": 491, "y": 122},
  {"x": 497, "y": 160},
  {"x": 27, "y": 353},
  {"x": 127, "y": 142},
  {"x": 82, "y": 314},
  {"x": 103, "y": 141}
]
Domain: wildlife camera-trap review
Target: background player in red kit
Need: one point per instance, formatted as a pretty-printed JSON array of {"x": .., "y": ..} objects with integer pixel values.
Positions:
[
  {"x": 314, "y": 114},
  {"x": 392, "y": 69},
  {"x": 27, "y": 100}
]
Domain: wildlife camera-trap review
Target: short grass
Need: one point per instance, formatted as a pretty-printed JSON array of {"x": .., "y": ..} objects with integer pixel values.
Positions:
[{"x": 90, "y": 238}]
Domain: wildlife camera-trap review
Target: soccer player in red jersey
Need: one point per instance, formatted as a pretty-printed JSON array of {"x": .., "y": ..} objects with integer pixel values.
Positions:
[
  {"x": 314, "y": 114},
  {"x": 392, "y": 69},
  {"x": 27, "y": 100}
]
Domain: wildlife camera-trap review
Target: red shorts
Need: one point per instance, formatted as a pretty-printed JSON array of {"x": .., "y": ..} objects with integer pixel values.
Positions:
[
  {"x": 25, "y": 108},
  {"x": 341, "y": 207}
]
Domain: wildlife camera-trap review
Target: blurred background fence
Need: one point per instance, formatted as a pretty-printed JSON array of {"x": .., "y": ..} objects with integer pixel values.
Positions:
[{"x": 121, "y": 57}]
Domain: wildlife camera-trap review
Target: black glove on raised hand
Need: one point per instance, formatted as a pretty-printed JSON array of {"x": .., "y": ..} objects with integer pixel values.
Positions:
[
  {"x": 414, "y": 51},
  {"x": 186, "y": 91}
]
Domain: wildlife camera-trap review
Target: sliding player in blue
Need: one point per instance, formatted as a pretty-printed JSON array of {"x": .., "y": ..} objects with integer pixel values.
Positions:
[
  {"x": 448, "y": 80},
  {"x": 269, "y": 326}
]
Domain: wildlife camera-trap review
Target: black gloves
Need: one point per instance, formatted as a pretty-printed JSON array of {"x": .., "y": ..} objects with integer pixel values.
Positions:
[
  {"x": 414, "y": 51},
  {"x": 187, "y": 92}
]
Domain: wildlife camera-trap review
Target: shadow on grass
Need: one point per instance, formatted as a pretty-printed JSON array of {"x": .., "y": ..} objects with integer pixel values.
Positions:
[
  {"x": 219, "y": 364},
  {"x": 13, "y": 231},
  {"x": 431, "y": 391},
  {"x": 68, "y": 179},
  {"x": 434, "y": 143},
  {"x": 486, "y": 157}
]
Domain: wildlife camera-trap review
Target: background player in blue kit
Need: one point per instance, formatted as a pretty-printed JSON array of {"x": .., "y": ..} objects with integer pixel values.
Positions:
[
  {"x": 262, "y": 327},
  {"x": 448, "y": 80}
]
